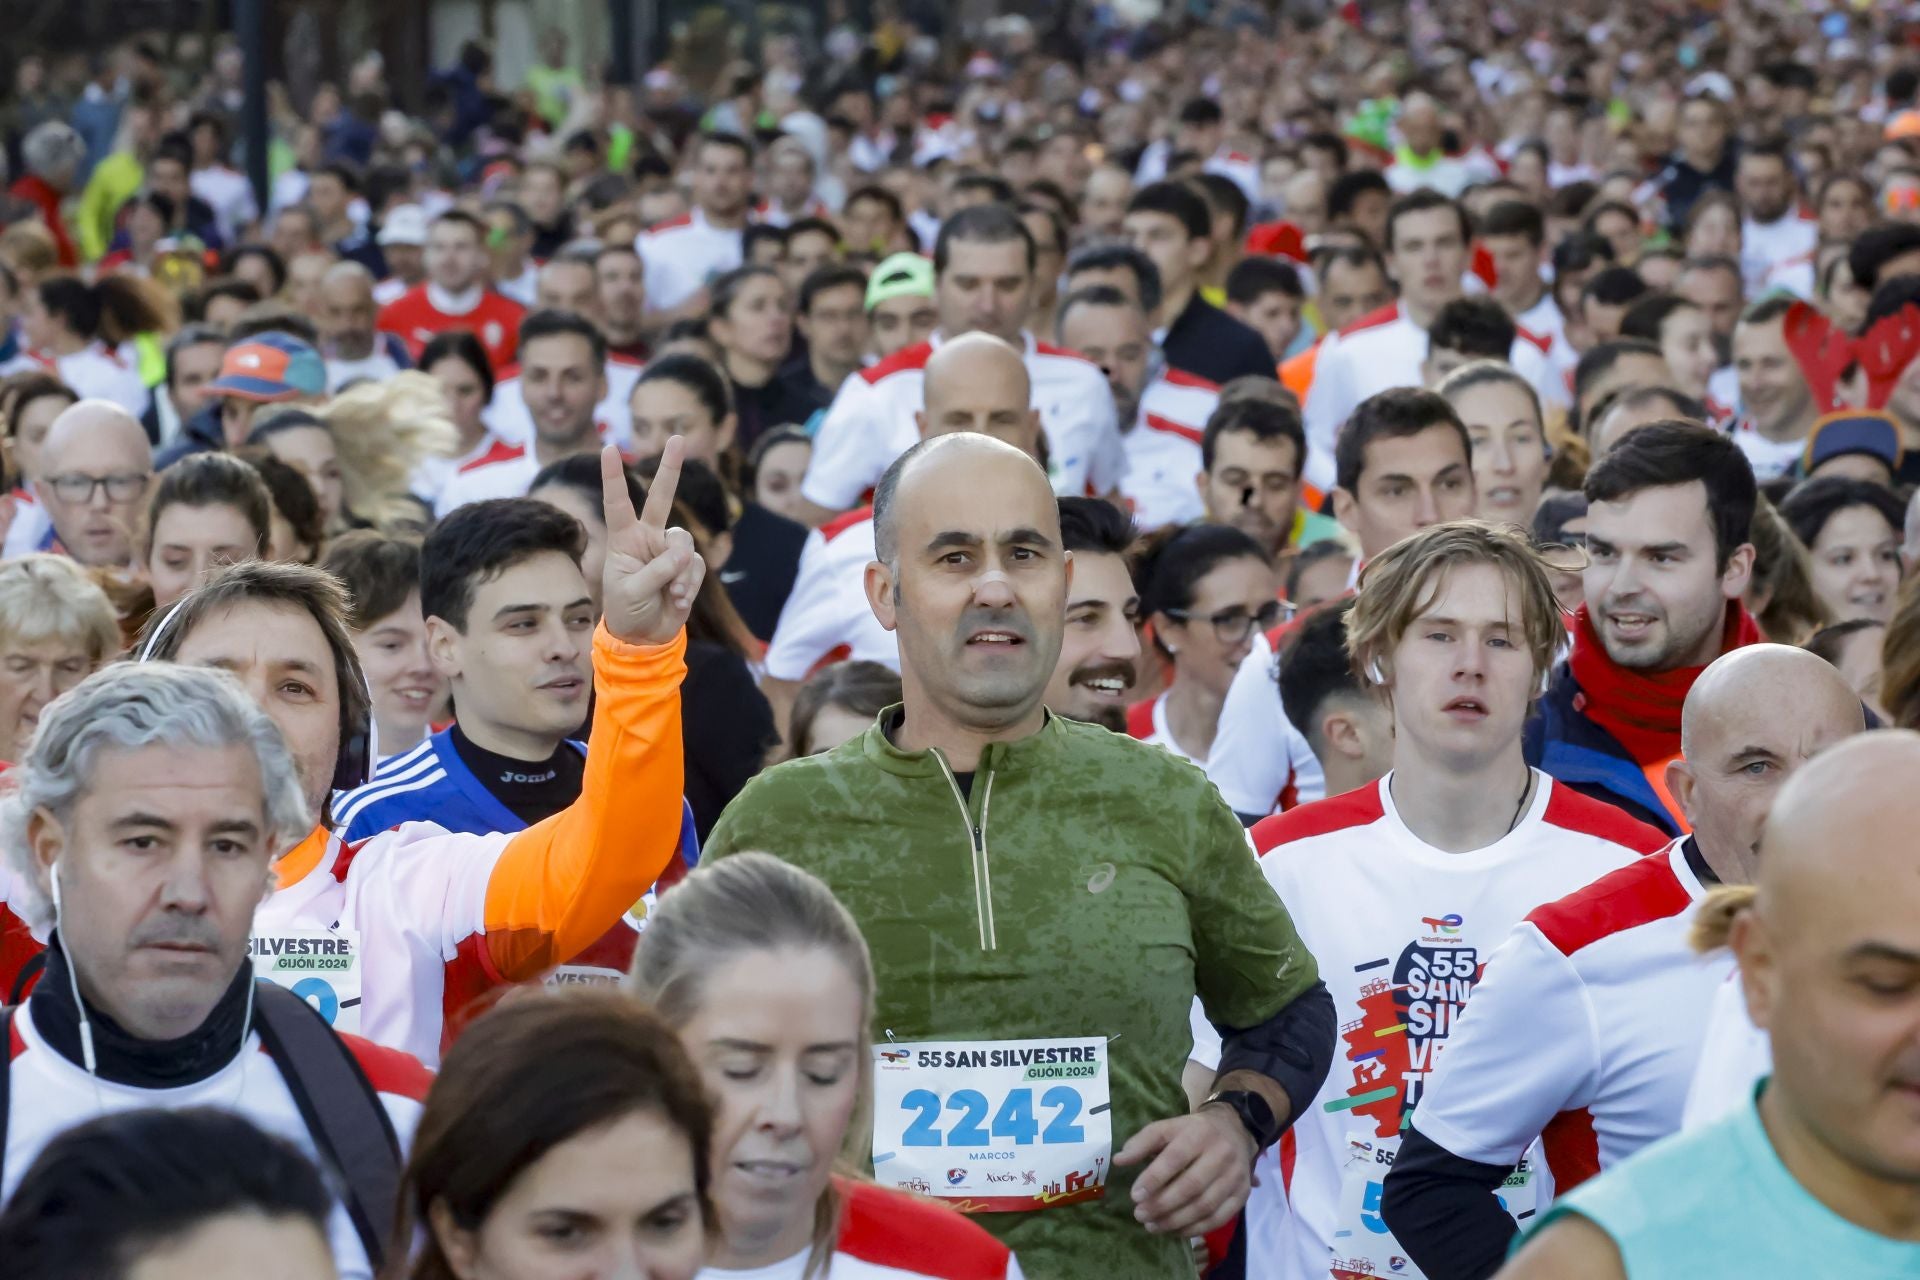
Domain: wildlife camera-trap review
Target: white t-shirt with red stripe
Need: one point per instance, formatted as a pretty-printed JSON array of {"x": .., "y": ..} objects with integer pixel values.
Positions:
[
  {"x": 683, "y": 256},
  {"x": 98, "y": 372},
  {"x": 890, "y": 1235},
  {"x": 826, "y": 617},
  {"x": 1258, "y": 754},
  {"x": 507, "y": 417},
  {"x": 1401, "y": 931},
  {"x": 503, "y": 471},
  {"x": 47, "y": 1095},
  {"x": 1147, "y": 721},
  {"x": 1587, "y": 1028},
  {"x": 1384, "y": 350},
  {"x": 1163, "y": 450},
  {"x": 871, "y": 422}
]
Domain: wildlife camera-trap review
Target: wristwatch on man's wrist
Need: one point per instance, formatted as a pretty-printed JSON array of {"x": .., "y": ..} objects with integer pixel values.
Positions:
[{"x": 1254, "y": 1113}]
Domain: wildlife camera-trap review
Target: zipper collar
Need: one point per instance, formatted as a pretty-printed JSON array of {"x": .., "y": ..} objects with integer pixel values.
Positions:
[{"x": 1018, "y": 756}]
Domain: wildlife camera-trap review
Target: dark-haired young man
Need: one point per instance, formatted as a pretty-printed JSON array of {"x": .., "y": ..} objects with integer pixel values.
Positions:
[
  {"x": 1251, "y": 452},
  {"x": 1349, "y": 729},
  {"x": 1171, "y": 224},
  {"x": 562, "y": 381},
  {"x": 510, "y": 624},
  {"x": 832, "y": 317},
  {"x": 1668, "y": 518},
  {"x": 1266, "y": 295},
  {"x": 983, "y": 267},
  {"x": 1514, "y": 234},
  {"x": 455, "y": 294},
  {"x": 683, "y": 254},
  {"x": 1465, "y": 330},
  {"x": 1427, "y": 250},
  {"x": 1100, "y": 649}
]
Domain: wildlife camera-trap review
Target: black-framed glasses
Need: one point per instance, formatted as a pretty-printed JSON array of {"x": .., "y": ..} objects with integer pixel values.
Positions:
[
  {"x": 77, "y": 490},
  {"x": 1231, "y": 626}
]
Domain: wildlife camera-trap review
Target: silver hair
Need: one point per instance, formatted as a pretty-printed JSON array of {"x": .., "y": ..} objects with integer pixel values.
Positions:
[
  {"x": 132, "y": 705},
  {"x": 51, "y": 146}
]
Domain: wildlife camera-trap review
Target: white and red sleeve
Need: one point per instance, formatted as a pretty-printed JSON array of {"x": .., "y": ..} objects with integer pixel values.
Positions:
[
  {"x": 1257, "y": 752},
  {"x": 849, "y": 449},
  {"x": 1330, "y": 400}
]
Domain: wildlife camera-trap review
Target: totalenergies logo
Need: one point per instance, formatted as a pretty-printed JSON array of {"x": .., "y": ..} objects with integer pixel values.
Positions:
[{"x": 1448, "y": 925}]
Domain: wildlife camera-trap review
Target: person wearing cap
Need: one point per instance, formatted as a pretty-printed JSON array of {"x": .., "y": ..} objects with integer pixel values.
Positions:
[
  {"x": 1860, "y": 444},
  {"x": 403, "y": 242},
  {"x": 270, "y": 368},
  {"x": 900, "y": 310}
]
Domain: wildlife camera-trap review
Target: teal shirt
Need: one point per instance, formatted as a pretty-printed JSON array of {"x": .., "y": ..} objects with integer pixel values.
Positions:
[{"x": 1718, "y": 1202}]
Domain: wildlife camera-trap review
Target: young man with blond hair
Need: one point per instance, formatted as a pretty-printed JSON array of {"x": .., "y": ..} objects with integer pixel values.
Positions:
[{"x": 1403, "y": 886}]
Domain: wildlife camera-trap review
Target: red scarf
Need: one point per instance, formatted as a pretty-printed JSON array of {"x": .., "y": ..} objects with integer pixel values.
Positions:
[{"x": 1641, "y": 709}]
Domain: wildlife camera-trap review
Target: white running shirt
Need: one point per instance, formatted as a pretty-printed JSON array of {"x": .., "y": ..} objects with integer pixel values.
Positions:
[
  {"x": 1401, "y": 931},
  {"x": 1163, "y": 450},
  {"x": 683, "y": 255},
  {"x": 826, "y": 617},
  {"x": 1257, "y": 752}
]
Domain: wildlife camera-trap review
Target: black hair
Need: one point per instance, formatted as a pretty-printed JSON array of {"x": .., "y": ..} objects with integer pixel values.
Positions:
[
  {"x": 1680, "y": 404},
  {"x": 1423, "y": 201},
  {"x": 1814, "y": 502},
  {"x": 293, "y": 499},
  {"x": 481, "y": 540},
  {"x": 1592, "y": 221},
  {"x": 1202, "y": 111},
  {"x": 1555, "y": 512},
  {"x": 1770, "y": 308},
  {"x": 1829, "y": 643},
  {"x": 522, "y": 222},
  {"x": 191, "y": 335},
  {"x": 107, "y": 1192},
  {"x": 1647, "y": 317},
  {"x": 982, "y": 224},
  {"x": 763, "y": 444},
  {"x": 1253, "y": 278},
  {"x": 1614, "y": 286},
  {"x": 820, "y": 226},
  {"x": 1360, "y": 256},
  {"x": 1580, "y": 251},
  {"x": 876, "y": 192},
  {"x": 755, "y": 233},
  {"x": 378, "y": 571},
  {"x": 1673, "y": 452},
  {"x": 996, "y": 188},
  {"x": 1264, "y": 420},
  {"x": 214, "y": 480},
  {"x": 1315, "y": 665},
  {"x": 1515, "y": 218},
  {"x": 581, "y": 473},
  {"x": 1095, "y": 526},
  {"x": 1770, "y": 148},
  {"x": 1391, "y": 415},
  {"x": 174, "y": 146},
  {"x": 461, "y": 345},
  {"x": 1603, "y": 356},
  {"x": 720, "y": 137},
  {"x": 1093, "y": 295},
  {"x": 344, "y": 173},
  {"x": 1890, "y": 296},
  {"x": 1112, "y": 256},
  {"x": 707, "y": 383},
  {"x": 1714, "y": 261},
  {"x": 552, "y": 322},
  {"x": 1174, "y": 562},
  {"x": 831, "y": 275},
  {"x": 1309, "y": 556},
  {"x": 727, "y": 288},
  {"x": 276, "y": 265},
  {"x": 1326, "y": 140},
  {"x": 1344, "y": 192},
  {"x": 1225, "y": 195},
  {"x": 1179, "y": 201},
  {"x": 1474, "y": 326},
  {"x": 701, "y": 492},
  {"x": 1062, "y": 234}
]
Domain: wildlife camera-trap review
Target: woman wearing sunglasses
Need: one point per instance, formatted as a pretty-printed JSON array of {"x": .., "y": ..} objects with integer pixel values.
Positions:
[{"x": 1206, "y": 589}]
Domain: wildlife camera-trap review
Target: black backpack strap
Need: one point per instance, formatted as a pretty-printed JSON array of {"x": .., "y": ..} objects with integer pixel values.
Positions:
[
  {"x": 36, "y": 965},
  {"x": 349, "y": 1124}
]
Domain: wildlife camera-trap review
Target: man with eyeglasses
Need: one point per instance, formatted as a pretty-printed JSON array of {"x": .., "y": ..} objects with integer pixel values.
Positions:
[{"x": 95, "y": 468}]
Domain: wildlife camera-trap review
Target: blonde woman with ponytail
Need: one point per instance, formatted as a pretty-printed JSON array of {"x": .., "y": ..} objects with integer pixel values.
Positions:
[{"x": 766, "y": 978}]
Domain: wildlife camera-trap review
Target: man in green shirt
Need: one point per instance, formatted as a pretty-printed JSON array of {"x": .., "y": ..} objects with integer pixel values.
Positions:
[{"x": 1043, "y": 899}]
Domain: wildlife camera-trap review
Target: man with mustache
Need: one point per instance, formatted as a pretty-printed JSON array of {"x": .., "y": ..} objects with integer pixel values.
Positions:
[
  {"x": 1100, "y": 649},
  {"x": 1668, "y": 559},
  {"x": 1034, "y": 890},
  {"x": 1586, "y": 1032},
  {"x": 1813, "y": 1172}
]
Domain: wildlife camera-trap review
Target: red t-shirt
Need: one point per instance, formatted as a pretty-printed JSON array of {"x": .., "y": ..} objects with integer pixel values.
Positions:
[{"x": 414, "y": 319}]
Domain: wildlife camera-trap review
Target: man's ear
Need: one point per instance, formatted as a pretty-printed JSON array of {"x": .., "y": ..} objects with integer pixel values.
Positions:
[
  {"x": 1680, "y": 784},
  {"x": 1738, "y": 573},
  {"x": 1753, "y": 948},
  {"x": 1345, "y": 510},
  {"x": 1198, "y": 251},
  {"x": 443, "y": 646},
  {"x": 1341, "y": 733},
  {"x": 724, "y": 434},
  {"x": 47, "y": 840},
  {"x": 879, "y": 583}
]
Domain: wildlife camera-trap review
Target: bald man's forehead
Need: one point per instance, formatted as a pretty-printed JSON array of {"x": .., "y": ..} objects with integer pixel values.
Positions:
[
  {"x": 1785, "y": 701},
  {"x": 974, "y": 483}
]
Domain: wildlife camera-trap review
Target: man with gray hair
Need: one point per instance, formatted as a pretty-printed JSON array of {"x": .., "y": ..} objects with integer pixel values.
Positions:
[
  {"x": 142, "y": 829},
  {"x": 354, "y": 350},
  {"x": 55, "y": 158}
]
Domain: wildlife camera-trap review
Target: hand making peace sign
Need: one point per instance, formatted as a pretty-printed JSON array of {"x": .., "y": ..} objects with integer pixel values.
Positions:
[{"x": 652, "y": 572}]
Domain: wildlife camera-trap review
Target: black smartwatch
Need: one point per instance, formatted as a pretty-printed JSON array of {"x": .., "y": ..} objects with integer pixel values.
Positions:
[{"x": 1254, "y": 1113}]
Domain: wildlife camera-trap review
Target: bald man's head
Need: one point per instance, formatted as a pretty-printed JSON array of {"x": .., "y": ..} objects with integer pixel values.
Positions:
[
  {"x": 347, "y": 312},
  {"x": 971, "y": 576},
  {"x": 95, "y": 469},
  {"x": 977, "y": 382},
  {"x": 1751, "y": 720},
  {"x": 1830, "y": 957}
]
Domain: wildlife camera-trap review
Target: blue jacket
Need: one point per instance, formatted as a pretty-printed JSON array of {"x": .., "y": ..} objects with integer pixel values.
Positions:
[
  {"x": 1572, "y": 749},
  {"x": 432, "y": 784}
]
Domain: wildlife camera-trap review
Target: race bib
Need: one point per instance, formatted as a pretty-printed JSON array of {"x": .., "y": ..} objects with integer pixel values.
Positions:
[
  {"x": 321, "y": 966},
  {"x": 1363, "y": 1247},
  {"x": 994, "y": 1126}
]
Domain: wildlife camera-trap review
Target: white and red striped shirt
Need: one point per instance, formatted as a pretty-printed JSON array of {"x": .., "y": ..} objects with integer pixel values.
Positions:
[
  {"x": 1586, "y": 1031},
  {"x": 1258, "y": 754},
  {"x": 1384, "y": 350},
  {"x": 1147, "y": 721},
  {"x": 47, "y": 1095},
  {"x": 1163, "y": 450},
  {"x": 1401, "y": 931},
  {"x": 826, "y": 617},
  {"x": 871, "y": 422},
  {"x": 683, "y": 256},
  {"x": 503, "y": 471},
  {"x": 889, "y": 1235},
  {"x": 97, "y": 372}
]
